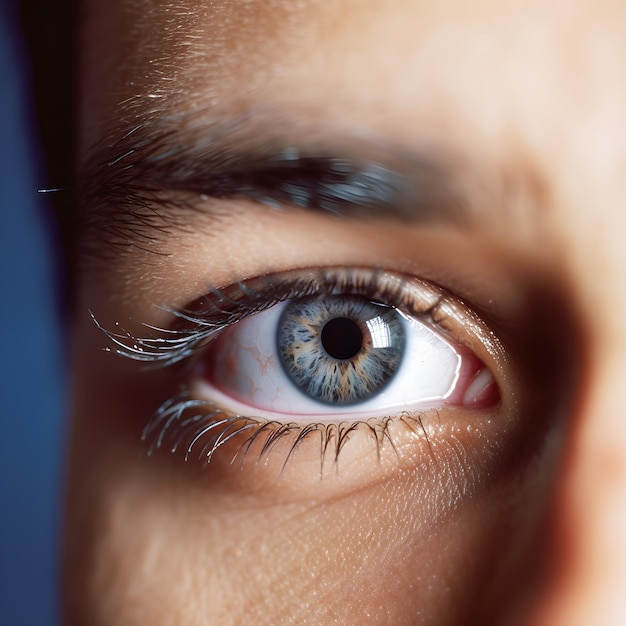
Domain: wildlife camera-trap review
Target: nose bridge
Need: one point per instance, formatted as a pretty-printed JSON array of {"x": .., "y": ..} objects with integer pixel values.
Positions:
[{"x": 587, "y": 582}]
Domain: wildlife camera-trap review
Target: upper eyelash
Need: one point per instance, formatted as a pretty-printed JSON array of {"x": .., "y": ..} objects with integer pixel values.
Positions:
[{"x": 227, "y": 306}]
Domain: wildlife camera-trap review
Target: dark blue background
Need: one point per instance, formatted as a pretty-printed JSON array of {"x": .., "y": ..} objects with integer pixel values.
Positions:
[{"x": 33, "y": 359}]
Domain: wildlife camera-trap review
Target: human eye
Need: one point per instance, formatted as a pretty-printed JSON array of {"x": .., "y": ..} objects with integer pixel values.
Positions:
[
  {"x": 326, "y": 354},
  {"x": 362, "y": 345}
]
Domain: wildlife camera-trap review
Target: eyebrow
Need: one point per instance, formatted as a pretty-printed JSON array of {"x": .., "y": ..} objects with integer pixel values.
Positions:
[{"x": 150, "y": 179}]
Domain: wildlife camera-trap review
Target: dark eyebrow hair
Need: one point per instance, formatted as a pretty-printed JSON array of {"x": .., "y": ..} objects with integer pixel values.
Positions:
[{"x": 137, "y": 188}]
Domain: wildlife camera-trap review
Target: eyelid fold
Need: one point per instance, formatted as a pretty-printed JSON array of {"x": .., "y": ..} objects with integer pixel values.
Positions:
[{"x": 203, "y": 320}]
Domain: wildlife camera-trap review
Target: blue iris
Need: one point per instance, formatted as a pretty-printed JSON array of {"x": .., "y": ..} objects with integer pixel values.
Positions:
[{"x": 340, "y": 349}]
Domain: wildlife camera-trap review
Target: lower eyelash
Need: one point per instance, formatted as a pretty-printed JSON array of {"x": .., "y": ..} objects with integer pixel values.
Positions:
[{"x": 202, "y": 428}]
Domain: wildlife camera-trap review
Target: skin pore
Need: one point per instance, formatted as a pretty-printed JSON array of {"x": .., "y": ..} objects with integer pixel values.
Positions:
[{"x": 503, "y": 513}]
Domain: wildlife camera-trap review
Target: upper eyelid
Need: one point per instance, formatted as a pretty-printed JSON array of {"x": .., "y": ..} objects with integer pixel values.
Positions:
[{"x": 192, "y": 327}]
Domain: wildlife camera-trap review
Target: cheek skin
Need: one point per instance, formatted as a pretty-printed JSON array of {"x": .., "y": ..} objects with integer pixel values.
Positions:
[{"x": 163, "y": 552}]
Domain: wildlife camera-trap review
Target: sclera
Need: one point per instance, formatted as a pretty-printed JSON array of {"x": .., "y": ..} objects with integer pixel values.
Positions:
[{"x": 241, "y": 373}]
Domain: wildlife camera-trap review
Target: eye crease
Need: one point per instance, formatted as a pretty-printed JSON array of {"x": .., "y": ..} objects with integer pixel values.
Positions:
[{"x": 305, "y": 351}]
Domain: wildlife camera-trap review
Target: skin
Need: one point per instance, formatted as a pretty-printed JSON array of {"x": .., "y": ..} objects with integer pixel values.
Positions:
[{"x": 508, "y": 514}]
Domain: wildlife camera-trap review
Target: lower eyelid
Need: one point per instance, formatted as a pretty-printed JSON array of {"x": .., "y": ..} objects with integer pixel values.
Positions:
[{"x": 287, "y": 462}]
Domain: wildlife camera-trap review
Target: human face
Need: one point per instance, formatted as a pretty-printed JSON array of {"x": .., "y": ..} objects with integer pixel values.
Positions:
[{"x": 488, "y": 147}]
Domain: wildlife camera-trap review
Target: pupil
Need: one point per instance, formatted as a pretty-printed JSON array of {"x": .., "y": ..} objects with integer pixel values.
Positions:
[{"x": 342, "y": 338}]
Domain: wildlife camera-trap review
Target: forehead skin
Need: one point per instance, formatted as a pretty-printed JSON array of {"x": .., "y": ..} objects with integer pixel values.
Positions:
[{"x": 504, "y": 84}]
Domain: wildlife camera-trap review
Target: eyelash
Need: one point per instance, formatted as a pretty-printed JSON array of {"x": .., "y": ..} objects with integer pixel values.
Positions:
[
  {"x": 186, "y": 421},
  {"x": 169, "y": 424},
  {"x": 235, "y": 302}
]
